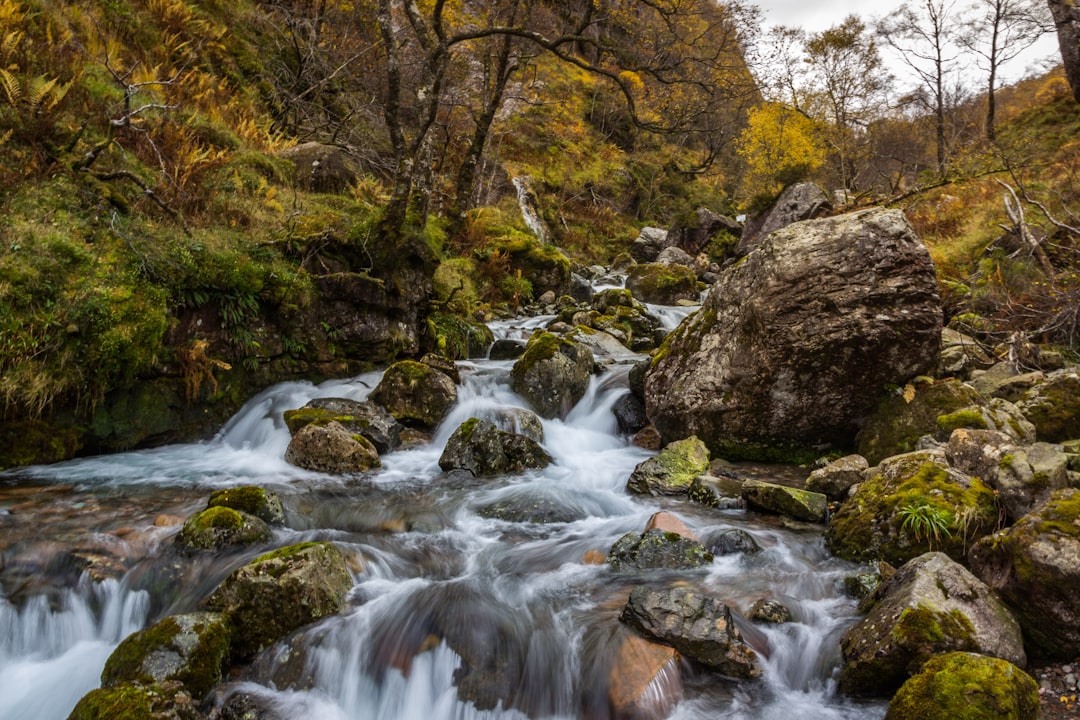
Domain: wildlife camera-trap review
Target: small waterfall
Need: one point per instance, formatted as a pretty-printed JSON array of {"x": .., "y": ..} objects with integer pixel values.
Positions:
[{"x": 530, "y": 208}]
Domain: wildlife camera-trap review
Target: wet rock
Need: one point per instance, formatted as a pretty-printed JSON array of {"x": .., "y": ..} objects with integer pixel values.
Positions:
[
  {"x": 800, "y": 201},
  {"x": 245, "y": 706},
  {"x": 552, "y": 374},
  {"x": 648, "y": 438},
  {"x": 650, "y": 241},
  {"x": 997, "y": 414},
  {"x": 415, "y": 394},
  {"x": 166, "y": 701},
  {"x": 966, "y": 685},
  {"x": 484, "y": 450},
  {"x": 1035, "y": 567},
  {"x": 641, "y": 668},
  {"x": 604, "y": 345},
  {"x": 218, "y": 528},
  {"x": 914, "y": 503},
  {"x": 672, "y": 470},
  {"x": 662, "y": 284},
  {"x": 192, "y": 649},
  {"x": 506, "y": 349},
  {"x": 861, "y": 585},
  {"x": 792, "y": 346},
  {"x": 279, "y": 592},
  {"x": 519, "y": 421},
  {"x": 657, "y": 549},
  {"x": 669, "y": 523},
  {"x": 331, "y": 448},
  {"x": 530, "y": 506},
  {"x": 836, "y": 479},
  {"x": 931, "y": 605},
  {"x": 629, "y": 413},
  {"x": 251, "y": 499},
  {"x": 1053, "y": 406},
  {"x": 724, "y": 493},
  {"x": 769, "y": 611},
  {"x": 731, "y": 541},
  {"x": 617, "y": 312},
  {"x": 361, "y": 418},
  {"x": 444, "y": 365},
  {"x": 784, "y": 500},
  {"x": 698, "y": 626}
]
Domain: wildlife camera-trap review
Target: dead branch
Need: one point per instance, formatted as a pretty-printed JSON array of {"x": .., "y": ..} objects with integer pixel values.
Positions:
[{"x": 1015, "y": 211}]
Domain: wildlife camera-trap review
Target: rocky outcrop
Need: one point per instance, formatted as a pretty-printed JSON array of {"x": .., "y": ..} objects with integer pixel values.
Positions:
[
  {"x": 1035, "y": 567},
  {"x": 484, "y": 450},
  {"x": 331, "y": 448},
  {"x": 279, "y": 592},
  {"x": 793, "y": 347},
  {"x": 697, "y": 625},
  {"x": 694, "y": 233},
  {"x": 932, "y": 605},
  {"x": 650, "y": 241},
  {"x": 662, "y": 284},
  {"x": 801, "y": 201},
  {"x": 836, "y": 479},
  {"x": 966, "y": 685},
  {"x": 253, "y": 500},
  {"x": 552, "y": 374},
  {"x": 217, "y": 528},
  {"x": 1053, "y": 406},
  {"x": 415, "y": 394},
  {"x": 672, "y": 470},
  {"x": 784, "y": 500}
]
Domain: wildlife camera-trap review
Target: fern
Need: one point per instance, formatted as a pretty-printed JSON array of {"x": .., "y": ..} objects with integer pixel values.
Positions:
[{"x": 12, "y": 87}]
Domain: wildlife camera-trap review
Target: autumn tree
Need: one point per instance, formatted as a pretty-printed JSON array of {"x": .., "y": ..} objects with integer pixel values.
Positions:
[{"x": 780, "y": 145}]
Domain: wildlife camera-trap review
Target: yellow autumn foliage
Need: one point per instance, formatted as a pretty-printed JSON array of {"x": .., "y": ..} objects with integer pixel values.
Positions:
[{"x": 780, "y": 145}]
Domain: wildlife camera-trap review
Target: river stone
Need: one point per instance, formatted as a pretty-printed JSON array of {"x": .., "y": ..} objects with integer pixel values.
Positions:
[
  {"x": 506, "y": 349},
  {"x": 519, "y": 421},
  {"x": 164, "y": 701},
  {"x": 672, "y": 470},
  {"x": 251, "y": 499},
  {"x": 279, "y": 592},
  {"x": 192, "y": 649},
  {"x": 996, "y": 414},
  {"x": 898, "y": 422},
  {"x": 672, "y": 255},
  {"x": 484, "y": 450},
  {"x": 724, "y": 493},
  {"x": 362, "y": 418},
  {"x": 650, "y": 241},
  {"x": 1035, "y": 567},
  {"x": 662, "y": 284},
  {"x": 552, "y": 374},
  {"x": 444, "y": 365},
  {"x": 931, "y": 605},
  {"x": 836, "y": 479},
  {"x": 800, "y": 201},
  {"x": 629, "y": 414},
  {"x": 530, "y": 505},
  {"x": 604, "y": 345},
  {"x": 731, "y": 541},
  {"x": 769, "y": 611},
  {"x": 792, "y": 347},
  {"x": 620, "y": 314},
  {"x": 639, "y": 670},
  {"x": 415, "y": 394},
  {"x": 656, "y": 549},
  {"x": 784, "y": 500},
  {"x": 872, "y": 524},
  {"x": 1053, "y": 405},
  {"x": 698, "y": 626},
  {"x": 1023, "y": 476},
  {"x": 670, "y": 523},
  {"x": 331, "y": 448},
  {"x": 218, "y": 528},
  {"x": 966, "y": 685}
]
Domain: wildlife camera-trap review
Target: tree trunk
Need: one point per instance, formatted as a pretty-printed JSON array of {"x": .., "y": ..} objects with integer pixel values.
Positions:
[{"x": 1067, "y": 19}]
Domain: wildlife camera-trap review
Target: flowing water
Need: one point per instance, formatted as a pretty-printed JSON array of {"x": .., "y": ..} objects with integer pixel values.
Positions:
[{"x": 532, "y": 622}]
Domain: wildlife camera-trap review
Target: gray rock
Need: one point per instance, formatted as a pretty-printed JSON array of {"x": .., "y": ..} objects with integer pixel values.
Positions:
[
  {"x": 801, "y": 201},
  {"x": 671, "y": 471},
  {"x": 769, "y": 611},
  {"x": 218, "y": 528},
  {"x": 648, "y": 244},
  {"x": 251, "y": 499},
  {"x": 693, "y": 234},
  {"x": 484, "y": 450},
  {"x": 415, "y": 394},
  {"x": 629, "y": 414},
  {"x": 331, "y": 448},
  {"x": 1002, "y": 381},
  {"x": 362, "y": 418},
  {"x": 506, "y": 349},
  {"x": 731, "y": 541},
  {"x": 961, "y": 355},
  {"x": 656, "y": 549},
  {"x": 520, "y": 421},
  {"x": 662, "y": 284},
  {"x": 674, "y": 256},
  {"x": 1053, "y": 406},
  {"x": 997, "y": 414},
  {"x": 835, "y": 479},
  {"x": 716, "y": 491},
  {"x": 552, "y": 374}
]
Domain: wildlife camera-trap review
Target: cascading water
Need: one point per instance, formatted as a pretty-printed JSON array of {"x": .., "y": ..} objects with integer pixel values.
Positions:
[{"x": 476, "y": 597}]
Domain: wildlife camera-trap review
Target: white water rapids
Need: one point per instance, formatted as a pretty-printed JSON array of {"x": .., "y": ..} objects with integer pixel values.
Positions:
[{"x": 542, "y": 619}]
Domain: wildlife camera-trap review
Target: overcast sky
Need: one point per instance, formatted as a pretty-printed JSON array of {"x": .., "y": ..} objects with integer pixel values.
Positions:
[{"x": 814, "y": 15}]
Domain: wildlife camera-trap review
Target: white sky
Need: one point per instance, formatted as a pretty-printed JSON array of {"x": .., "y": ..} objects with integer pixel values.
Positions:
[{"x": 815, "y": 15}]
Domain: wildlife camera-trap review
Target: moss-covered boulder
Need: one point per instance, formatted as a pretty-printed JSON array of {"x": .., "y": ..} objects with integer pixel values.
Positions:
[
  {"x": 656, "y": 549},
  {"x": 837, "y": 478},
  {"x": 192, "y": 649},
  {"x": 899, "y": 421},
  {"x": 415, "y": 394},
  {"x": 552, "y": 374},
  {"x": 914, "y": 504},
  {"x": 251, "y": 499},
  {"x": 784, "y": 500},
  {"x": 331, "y": 448},
  {"x": 360, "y": 418},
  {"x": 1053, "y": 405},
  {"x": 221, "y": 527},
  {"x": 279, "y": 592},
  {"x": 966, "y": 686},
  {"x": 1035, "y": 567},
  {"x": 168, "y": 701},
  {"x": 484, "y": 450},
  {"x": 672, "y": 470},
  {"x": 456, "y": 337},
  {"x": 931, "y": 605},
  {"x": 662, "y": 284},
  {"x": 697, "y": 625},
  {"x": 997, "y": 414}
]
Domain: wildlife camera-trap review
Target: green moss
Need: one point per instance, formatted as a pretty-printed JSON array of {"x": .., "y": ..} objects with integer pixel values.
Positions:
[
  {"x": 966, "y": 686},
  {"x": 219, "y": 526},
  {"x": 1060, "y": 515},
  {"x": 219, "y": 517},
  {"x": 249, "y": 498},
  {"x": 456, "y": 337},
  {"x": 1006, "y": 461},
  {"x": 289, "y": 551},
  {"x": 541, "y": 346},
  {"x": 922, "y": 626},
  {"x": 126, "y": 702},
  {"x": 968, "y": 418}
]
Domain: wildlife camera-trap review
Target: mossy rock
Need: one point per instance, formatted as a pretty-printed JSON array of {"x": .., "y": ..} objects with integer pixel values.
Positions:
[
  {"x": 220, "y": 527},
  {"x": 279, "y": 592},
  {"x": 137, "y": 702},
  {"x": 552, "y": 374},
  {"x": 250, "y": 499},
  {"x": 966, "y": 686},
  {"x": 362, "y": 418},
  {"x": 331, "y": 448},
  {"x": 456, "y": 337},
  {"x": 672, "y": 470},
  {"x": 662, "y": 284},
  {"x": 484, "y": 450},
  {"x": 783, "y": 500},
  {"x": 915, "y": 504},
  {"x": 897, "y": 425},
  {"x": 657, "y": 549},
  {"x": 192, "y": 649},
  {"x": 997, "y": 414},
  {"x": 1053, "y": 406},
  {"x": 415, "y": 394}
]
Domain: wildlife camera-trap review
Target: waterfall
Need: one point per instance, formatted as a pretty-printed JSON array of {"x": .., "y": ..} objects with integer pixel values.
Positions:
[{"x": 530, "y": 208}]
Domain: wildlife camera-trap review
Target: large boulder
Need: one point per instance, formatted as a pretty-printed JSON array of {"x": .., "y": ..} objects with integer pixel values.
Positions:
[
  {"x": 694, "y": 232},
  {"x": 552, "y": 374},
  {"x": 784, "y": 500},
  {"x": 914, "y": 503},
  {"x": 484, "y": 450},
  {"x": 192, "y": 649},
  {"x": 362, "y": 418},
  {"x": 217, "y": 528},
  {"x": 697, "y": 625},
  {"x": 801, "y": 201},
  {"x": 793, "y": 346},
  {"x": 1035, "y": 567},
  {"x": 415, "y": 394},
  {"x": 662, "y": 284},
  {"x": 963, "y": 685},
  {"x": 331, "y": 448},
  {"x": 931, "y": 605},
  {"x": 279, "y": 592},
  {"x": 251, "y": 499},
  {"x": 1053, "y": 405},
  {"x": 650, "y": 241},
  {"x": 672, "y": 470}
]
